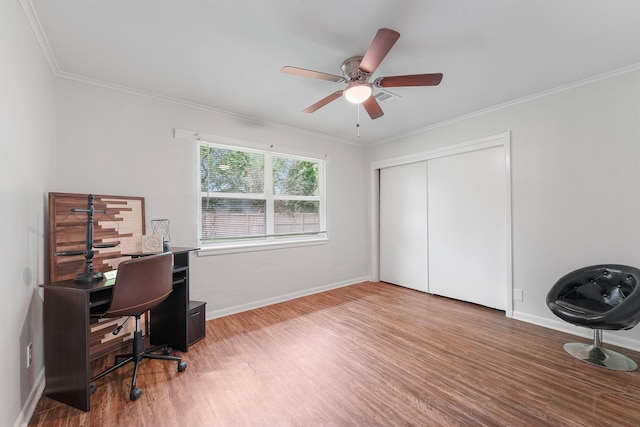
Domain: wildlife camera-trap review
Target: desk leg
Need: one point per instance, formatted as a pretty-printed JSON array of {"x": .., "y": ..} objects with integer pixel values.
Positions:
[{"x": 66, "y": 343}]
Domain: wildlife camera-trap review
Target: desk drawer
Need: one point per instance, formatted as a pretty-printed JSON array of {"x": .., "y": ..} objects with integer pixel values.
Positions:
[{"x": 196, "y": 322}]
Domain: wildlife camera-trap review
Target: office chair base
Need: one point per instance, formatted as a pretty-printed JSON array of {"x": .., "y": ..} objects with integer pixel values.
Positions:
[
  {"x": 135, "y": 394},
  {"x": 600, "y": 356},
  {"x": 138, "y": 354}
]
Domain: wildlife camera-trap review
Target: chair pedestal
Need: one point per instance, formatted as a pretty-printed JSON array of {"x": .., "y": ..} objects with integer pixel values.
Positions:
[
  {"x": 597, "y": 355},
  {"x": 136, "y": 357}
]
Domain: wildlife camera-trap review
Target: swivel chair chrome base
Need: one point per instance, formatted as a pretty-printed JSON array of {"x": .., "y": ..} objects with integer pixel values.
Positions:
[
  {"x": 599, "y": 297},
  {"x": 596, "y": 354}
]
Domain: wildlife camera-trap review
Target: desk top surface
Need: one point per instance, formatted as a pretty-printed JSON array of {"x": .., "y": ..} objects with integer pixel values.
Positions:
[
  {"x": 71, "y": 284},
  {"x": 173, "y": 249}
]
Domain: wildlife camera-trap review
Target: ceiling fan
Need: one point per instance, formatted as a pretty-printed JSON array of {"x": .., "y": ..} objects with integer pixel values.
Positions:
[{"x": 356, "y": 73}]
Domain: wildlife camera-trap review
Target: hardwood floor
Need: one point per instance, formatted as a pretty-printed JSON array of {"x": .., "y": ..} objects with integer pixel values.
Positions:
[{"x": 370, "y": 354}]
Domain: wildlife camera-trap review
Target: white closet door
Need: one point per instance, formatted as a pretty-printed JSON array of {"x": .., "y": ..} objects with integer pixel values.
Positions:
[
  {"x": 403, "y": 225},
  {"x": 467, "y": 227}
]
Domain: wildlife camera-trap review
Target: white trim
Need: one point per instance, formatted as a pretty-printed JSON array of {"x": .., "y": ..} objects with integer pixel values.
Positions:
[
  {"x": 258, "y": 247},
  {"x": 499, "y": 140},
  {"x": 449, "y": 150},
  {"x": 609, "y": 337},
  {"x": 511, "y": 103},
  {"x": 190, "y": 135},
  {"x": 30, "y": 404},
  {"x": 202, "y": 107},
  {"x": 322, "y": 192},
  {"x": 508, "y": 223},
  {"x": 267, "y": 195},
  {"x": 282, "y": 298},
  {"x": 38, "y": 32},
  {"x": 269, "y": 214},
  {"x": 507, "y": 104},
  {"x": 374, "y": 222}
]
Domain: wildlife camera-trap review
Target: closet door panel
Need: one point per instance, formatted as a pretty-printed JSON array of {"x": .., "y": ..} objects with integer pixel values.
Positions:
[
  {"x": 403, "y": 225},
  {"x": 467, "y": 227}
]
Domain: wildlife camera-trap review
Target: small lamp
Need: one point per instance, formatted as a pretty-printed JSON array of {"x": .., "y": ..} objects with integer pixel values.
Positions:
[
  {"x": 160, "y": 227},
  {"x": 358, "y": 91}
]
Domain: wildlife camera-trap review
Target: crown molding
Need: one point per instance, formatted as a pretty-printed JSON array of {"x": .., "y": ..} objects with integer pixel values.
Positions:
[
  {"x": 34, "y": 22},
  {"x": 43, "y": 42},
  {"x": 41, "y": 38},
  {"x": 559, "y": 89},
  {"x": 183, "y": 103}
]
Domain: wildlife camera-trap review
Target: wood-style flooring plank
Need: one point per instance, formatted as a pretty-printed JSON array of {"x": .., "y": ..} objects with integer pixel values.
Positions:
[{"x": 370, "y": 354}]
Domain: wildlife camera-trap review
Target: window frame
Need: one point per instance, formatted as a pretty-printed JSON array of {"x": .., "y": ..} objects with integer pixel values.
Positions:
[{"x": 270, "y": 240}]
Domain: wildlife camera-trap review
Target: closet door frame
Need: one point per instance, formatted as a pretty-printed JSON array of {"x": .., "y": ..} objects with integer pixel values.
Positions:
[{"x": 499, "y": 140}]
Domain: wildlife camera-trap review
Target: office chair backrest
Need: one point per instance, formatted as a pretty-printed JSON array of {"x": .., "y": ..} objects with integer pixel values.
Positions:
[{"x": 141, "y": 284}]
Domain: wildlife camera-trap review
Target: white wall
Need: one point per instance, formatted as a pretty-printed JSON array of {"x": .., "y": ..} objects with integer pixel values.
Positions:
[
  {"x": 575, "y": 183},
  {"x": 121, "y": 143},
  {"x": 27, "y": 146},
  {"x": 575, "y": 188}
]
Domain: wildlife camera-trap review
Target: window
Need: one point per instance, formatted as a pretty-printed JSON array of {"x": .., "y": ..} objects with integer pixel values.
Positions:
[{"x": 253, "y": 197}]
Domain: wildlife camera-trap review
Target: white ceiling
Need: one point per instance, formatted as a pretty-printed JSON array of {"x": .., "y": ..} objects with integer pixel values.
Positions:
[{"x": 227, "y": 54}]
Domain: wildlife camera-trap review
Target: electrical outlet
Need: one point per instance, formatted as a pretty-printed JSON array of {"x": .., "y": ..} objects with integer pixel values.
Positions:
[
  {"x": 29, "y": 354},
  {"x": 518, "y": 295}
]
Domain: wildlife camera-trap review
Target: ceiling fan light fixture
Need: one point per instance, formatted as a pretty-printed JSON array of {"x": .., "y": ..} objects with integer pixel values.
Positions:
[{"x": 358, "y": 91}]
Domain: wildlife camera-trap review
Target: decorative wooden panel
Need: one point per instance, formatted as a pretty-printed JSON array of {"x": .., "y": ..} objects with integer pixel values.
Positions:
[
  {"x": 101, "y": 339},
  {"x": 122, "y": 222}
]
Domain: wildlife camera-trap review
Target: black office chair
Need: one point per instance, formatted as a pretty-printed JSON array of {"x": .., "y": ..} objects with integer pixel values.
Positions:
[
  {"x": 600, "y": 297},
  {"x": 140, "y": 285}
]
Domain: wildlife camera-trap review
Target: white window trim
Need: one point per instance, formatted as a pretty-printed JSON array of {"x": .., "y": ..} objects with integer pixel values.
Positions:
[
  {"x": 229, "y": 247},
  {"x": 258, "y": 247}
]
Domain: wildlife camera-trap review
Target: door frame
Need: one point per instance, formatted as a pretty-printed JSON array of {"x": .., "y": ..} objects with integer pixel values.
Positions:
[{"x": 498, "y": 140}]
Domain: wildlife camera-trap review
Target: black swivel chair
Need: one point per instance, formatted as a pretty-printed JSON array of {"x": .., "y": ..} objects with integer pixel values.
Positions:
[
  {"x": 140, "y": 285},
  {"x": 599, "y": 297}
]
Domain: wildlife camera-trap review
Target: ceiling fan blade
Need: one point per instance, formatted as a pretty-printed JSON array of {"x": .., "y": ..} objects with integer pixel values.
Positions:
[
  {"x": 380, "y": 46},
  {"x": 373, "y": 108},
  {"x": 410, "y": 80},
  {"x": 301, "y": 72},
  {"x": 324, "y": 101}
]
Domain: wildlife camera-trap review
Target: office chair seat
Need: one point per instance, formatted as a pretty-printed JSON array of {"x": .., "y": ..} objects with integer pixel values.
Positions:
[
  {"x": 140, "y": 285},
  {"x": 600, "y": 297}
]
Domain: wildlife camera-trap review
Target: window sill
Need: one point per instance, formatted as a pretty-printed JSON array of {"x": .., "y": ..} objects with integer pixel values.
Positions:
[{"x": 257, "y": 247}]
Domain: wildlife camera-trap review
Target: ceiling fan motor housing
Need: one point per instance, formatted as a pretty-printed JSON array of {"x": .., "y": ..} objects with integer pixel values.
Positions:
[
  {"x": 351, "y": 69},
  {"x": 359, "y": 90}
]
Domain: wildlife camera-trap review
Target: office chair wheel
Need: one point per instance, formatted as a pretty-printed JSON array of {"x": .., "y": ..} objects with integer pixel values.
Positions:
[
  {"x": 135, "y": 394},
  {"x": 182, "y": 366},
  {"x": 167, "y": 351},
  {"x": 92, "y": 389}
]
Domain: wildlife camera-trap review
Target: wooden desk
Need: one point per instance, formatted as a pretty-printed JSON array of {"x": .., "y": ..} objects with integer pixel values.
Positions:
[
  {"x": 168, "y": 322},
  {"x": 67, "y": 308}
]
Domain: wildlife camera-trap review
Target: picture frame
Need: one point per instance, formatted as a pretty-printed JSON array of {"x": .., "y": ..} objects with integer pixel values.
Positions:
[{"x": 151, "y": 244}]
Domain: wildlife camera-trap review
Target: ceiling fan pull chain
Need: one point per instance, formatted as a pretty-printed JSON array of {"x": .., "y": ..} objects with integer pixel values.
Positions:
[{"x": 358, "y": 121}]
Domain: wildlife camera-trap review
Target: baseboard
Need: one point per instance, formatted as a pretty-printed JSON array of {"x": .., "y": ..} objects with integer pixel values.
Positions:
[
  {"x": 610, "y": 337},
  {"x": 36, "y": 392},
  {"x": 558, "y": 325},
  {"x": 38, "y": 388},
  {"x": 32, "y": 400},
  {"x": 282, "y": 298}
]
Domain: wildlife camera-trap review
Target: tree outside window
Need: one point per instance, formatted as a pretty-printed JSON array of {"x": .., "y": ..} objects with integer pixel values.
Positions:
[{"x": 239, "y": 201}]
